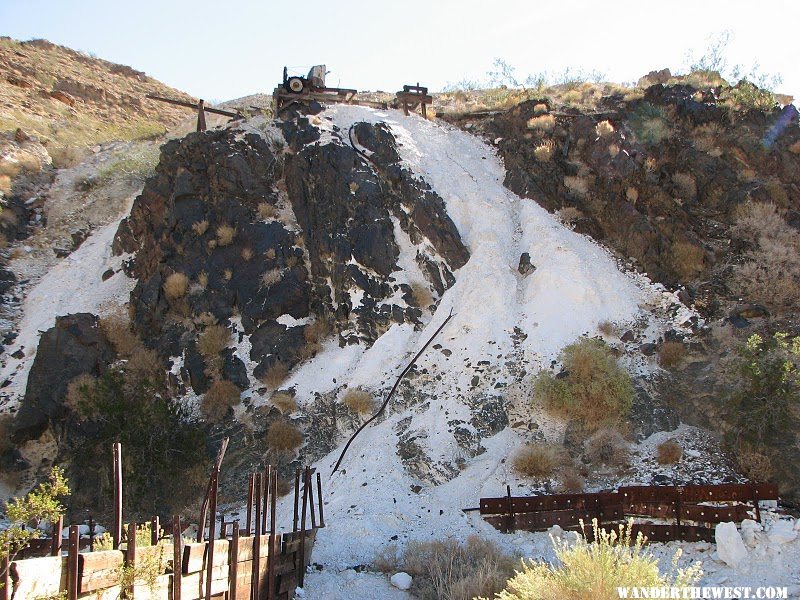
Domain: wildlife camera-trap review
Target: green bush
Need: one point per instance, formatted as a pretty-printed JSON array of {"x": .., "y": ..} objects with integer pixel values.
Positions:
[
  {"x": 594, "y": 570},
  {"x": 649, "y": 124},
  {"x": 768, "y": 395},
  {"x": 594, "y": 389}
]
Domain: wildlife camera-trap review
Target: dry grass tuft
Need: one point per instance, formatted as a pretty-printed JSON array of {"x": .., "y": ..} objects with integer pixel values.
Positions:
[
  {"x": 219, "y": 399},
  {"x": 795, "y": 148},
  {"x": 606, "y": 327},
  {"x": 282, "y": 436},
  {"x": 202, "y": 279},
  {"x": 607, "y": 447},
  {"x": 213, "y": 340},
  {"x": 452, "y": 570},
  {"x": 79, "y": 391},
  {"x": 571, "y": 481},
  {"x": 359, "y": 401},
  {"x": 578, "y": 186},
  {"x": 200, "y": 227},
  {"x": 117, "y": 329},
  {"x": 266, "y": 211},
  {"x": 754, "y": 465},
  {"x": 247, "y": 254},
  {"x": 284, "y": 402},
  {"x": 144, "y": 364},
  {"x": 604, "y": 129},
  {"x": 540, "y": 109},
  {"x": 271, "y": 277},
  {"x": 544, "y": 151},
  {"x": 631, "y": 194},
  {"x": 686, "y": 185},
  {"x": 317, "y": 331},
  {"x": 687, "y": 260},
  {"x": 421, "y": 294},
  {"x": 542, "y": 123},
  {"x": 175, "y": 286},
  {"x": 671, "y": 354},
  {"x": 225, "y": 235},
  {"x": 538, "y": 461},
  {"x": 669, "y": 452},
  {"x": 275, "y": 375},
  {"x": 569, "y": 214}
]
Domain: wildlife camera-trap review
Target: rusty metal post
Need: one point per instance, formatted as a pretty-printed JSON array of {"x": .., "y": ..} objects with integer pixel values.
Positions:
[
  {"x": 319, "y": 498},
  {"x": 201, "y": 116},
  {"x": 155, "y": 526},
  {"x": 302, "y": 566},
  {"x": 266, "y": 491},
  {"x": 510, "y": 523},
  {"x": 130, "y": 557},
  {"x": 256, "y": 539},
  {"x": 233, "y": 574},
  {"x": 116, "y": 533},
  {"x": 72, "y": 562},
  {"x": 249, "y": 522},
  {"x": 55, "y": 538},
  {"x": 678, "y": 507},
  {"x": 296, "y": 498},
  {"x": 311, "y": 498},
  {"x": 273, "y": 552},
  {"x": 177, "y": 557},
  {"x": 755, "y": 502},
  {"x": 212, "y": 530}
]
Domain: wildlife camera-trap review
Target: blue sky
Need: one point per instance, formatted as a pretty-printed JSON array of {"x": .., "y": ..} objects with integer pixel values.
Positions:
[{"x": 226, "y": 50}]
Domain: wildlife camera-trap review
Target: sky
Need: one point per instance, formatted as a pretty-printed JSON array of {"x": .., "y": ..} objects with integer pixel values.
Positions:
[{"x": 228, "y": 49}]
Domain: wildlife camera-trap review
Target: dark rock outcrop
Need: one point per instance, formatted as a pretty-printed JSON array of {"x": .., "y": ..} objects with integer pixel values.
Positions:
[{"x": 74, "y": 346}]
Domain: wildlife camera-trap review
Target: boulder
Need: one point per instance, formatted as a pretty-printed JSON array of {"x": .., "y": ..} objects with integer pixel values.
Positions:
[
  {"x": 782, "y": 532},
  {"x": 730, "y": 547},
  {"x": 74, "y": 346},
  {"x": 401, "y": 580}
]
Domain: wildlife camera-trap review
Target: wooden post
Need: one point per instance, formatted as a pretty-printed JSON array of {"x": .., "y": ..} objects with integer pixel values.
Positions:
[
  {"x": 302, "y": 565},
  {"x": 510, "y": 522},
  {"x": 296, "y": 498},
  {"x": 72, "y": 562},
  {"x": 249, "y": 504},
  {"x": 214, "y": 474},
  {"x": 233, "y": 574},
  {"x": 755, "y": 502},
  {"x": 201, "y": 116},
  {"x": 212, "y": 531},
  {"x": 311, "y": 498},
  {"x": 155, "y": 526},
  {"x": 117, "y": 531},
  {"x": 678, "y": 509},
  {"x": 319, "y": 498},
  {"x": 55, "y": 539},
  {"x": 130, "y": 557},
  {"x": 177, "y": 557},
  {"x": 273, "y": 552},
  {"x": 91, "y": 534}
]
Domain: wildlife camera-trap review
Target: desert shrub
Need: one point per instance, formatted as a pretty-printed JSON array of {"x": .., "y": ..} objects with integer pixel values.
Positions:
[
  {"x": 595, "y": 389},
  {"x": 569, "y": 214},
  {"x": 275, "y": 375},
  {"x": 309, "y": 350},
  {"x": 200, "y": 227},
  {"x": 128, "y": 408},
  {"x": 213, "y": 340},
  {"x": 687, "y": 259},
  {"x": 631, "y": 194},
  {"x": 537, "y": 461},
  {"x": 570, "y": 481},
  {"x": 421, "y": 294},
  {"x": 227, "y": 274},
  {"x": 604, "y": 129},
  {"x": 605, "y": 327},
  {"x": 770, "y": 273},
  {"x": 137, "y": 163},
  {"x": 544, "y": 122},
  {"x": 266, "y": 211},
  {"x": 594, "y": 570},
  {"x": 754, "y": 465},
  {"x": 746, "y": 95},
  {"x": 282, "y": 436},
  {"x": 317, "y": 331},
  {"x": 649, "y": 124},
  {"x": 669, "y": 452},
  {"x": 607, "y": 447},
  {"x": 225, "y": 235},
  {"x": 795, "y": 148},
  {"x": 175, "y": 286},
  {"x": 271, "y": 277},
  {"x": 359, "y": 401},
  {"x": 544, "y": 151},
  {"x": 767, "y": 395},
  {"x": 613, "y": 150},
  {"x": 540, "y": 109},
  {"x": 220, "y": 397},
  {"x": 576, "y": 185},
  {"x": 247, "y": 254},
  {"x": 686, "y": 185},
  {"x": 671, "y": 354},
  {"x": 117, "y": 329},
  {"x": 77, "y": 391},
  {"x": 144, "y": 362},
  {"x": 455, "y": 571},
  {"x": 284, "y": 402}
]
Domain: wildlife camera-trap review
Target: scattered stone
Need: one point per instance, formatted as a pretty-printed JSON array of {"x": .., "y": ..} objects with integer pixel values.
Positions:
[
  {"x": 525, "y": 265},
  {"x": 62, "y": 97},
  {"x": 108, "y": 274},
  {"x": 730, "y": 547},
  {"x": 401, "y": 580}
]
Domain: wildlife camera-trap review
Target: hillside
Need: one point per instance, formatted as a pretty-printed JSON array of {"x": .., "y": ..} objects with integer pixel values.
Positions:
[{"x": 268, "y": 280}]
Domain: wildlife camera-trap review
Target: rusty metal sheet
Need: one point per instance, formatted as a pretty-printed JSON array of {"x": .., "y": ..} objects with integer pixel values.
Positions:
[
  {"x": 668, "y": 533},
  {"x": 663, "y": 510},
  {"x": 715, "y": 514},
  {"x": 730, "y": 491},
  {"x": 494, "y": 506},
  {"x": 543, "y": 520},
  {"x": 636, "y": 494}
]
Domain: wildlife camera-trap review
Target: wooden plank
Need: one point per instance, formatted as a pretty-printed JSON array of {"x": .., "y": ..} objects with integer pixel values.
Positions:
[
  {"x": 233, "y": 575},
  {"x": 177, "y": 556},
  {"x": 194, "y": 556},
  {"x": 39, "y": 577},
  {"x": 72, "y": 563},
  {"x": 116, "y": 530}
]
